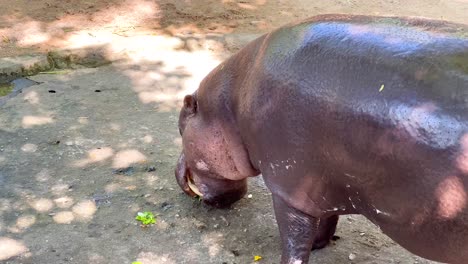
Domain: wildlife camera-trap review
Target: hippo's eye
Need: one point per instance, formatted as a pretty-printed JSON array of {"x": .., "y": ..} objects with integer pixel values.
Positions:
[{"x": 180, "y": 131}]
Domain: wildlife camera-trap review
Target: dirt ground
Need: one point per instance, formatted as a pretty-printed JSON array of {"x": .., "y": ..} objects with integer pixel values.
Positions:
[
  {"x": 81, "y": 152},
  {"x": 41, "y": 25}
]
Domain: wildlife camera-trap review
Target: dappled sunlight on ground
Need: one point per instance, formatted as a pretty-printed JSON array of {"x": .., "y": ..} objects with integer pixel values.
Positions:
[
  {"x": 96, "y": 155},
  {"x": 43, "y": 175},
  {"x": 11, "y": 248},
  {"x": 64, "y": 202},
  {"x": 175, "y": 74},
  {"x": 32, "y": 97},
  {"x": 152, "y": 258},
  {"x": 25, "y": 221},
  {"x": 30, "y": 121},
  {"x": 84, "y": 210},
  {"x": 67, "y": 30},
  {"x": 41, "y": 205},
  {"x": 125, "y": 158},
  {"x": 112, "y": 187},
  {"x": 22, "y": 223},
  {"x": 28, "y": 33},
  {"x": 63, "y": 217},
  {"x": 213, "y": 241},
  {"x": 109, "y": 26},
  {"x": 147, "y": 139}
]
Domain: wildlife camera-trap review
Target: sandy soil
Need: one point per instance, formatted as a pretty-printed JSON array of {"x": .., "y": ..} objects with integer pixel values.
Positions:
[
  {"x": 83, "y": 151},
  {"x": 29, "y": 26}
]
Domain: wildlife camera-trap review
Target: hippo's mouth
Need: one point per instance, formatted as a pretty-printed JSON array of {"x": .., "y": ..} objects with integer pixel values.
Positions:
[
  {"x": 185, "y": 179},
  {"x": 192, "y": 186}
]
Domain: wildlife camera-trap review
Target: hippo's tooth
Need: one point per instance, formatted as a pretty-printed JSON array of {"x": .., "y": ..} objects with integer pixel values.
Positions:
[{"x": 193, "y": 187}]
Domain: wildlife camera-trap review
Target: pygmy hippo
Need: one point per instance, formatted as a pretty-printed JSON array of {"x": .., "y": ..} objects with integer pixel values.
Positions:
[{"x": 340, "y": 115}]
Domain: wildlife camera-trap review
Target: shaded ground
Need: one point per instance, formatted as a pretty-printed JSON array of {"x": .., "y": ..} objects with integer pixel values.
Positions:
[
  {"x": 83, "y": 151},
  {"x": 76, "y": 166}
]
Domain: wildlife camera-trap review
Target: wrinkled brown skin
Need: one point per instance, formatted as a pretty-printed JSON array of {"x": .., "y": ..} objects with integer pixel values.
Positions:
[{"x": 341, "y": 115}]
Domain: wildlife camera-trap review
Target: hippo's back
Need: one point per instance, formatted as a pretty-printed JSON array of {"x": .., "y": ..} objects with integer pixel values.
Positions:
[
  {"x": 377, "y": 68},
  {"x": 380, "y": 104},
  {"x": 432, "y": 57}
]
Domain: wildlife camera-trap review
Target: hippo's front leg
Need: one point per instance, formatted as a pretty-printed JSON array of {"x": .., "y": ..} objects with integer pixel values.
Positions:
[{"x": 297, "y": 231}]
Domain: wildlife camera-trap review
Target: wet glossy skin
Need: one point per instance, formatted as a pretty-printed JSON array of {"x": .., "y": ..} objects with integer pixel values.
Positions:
[{"x": 341, "y": 115}]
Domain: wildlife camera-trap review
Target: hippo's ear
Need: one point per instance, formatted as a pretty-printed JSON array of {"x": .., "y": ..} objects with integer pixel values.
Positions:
[{"x": 190, "y": 104}]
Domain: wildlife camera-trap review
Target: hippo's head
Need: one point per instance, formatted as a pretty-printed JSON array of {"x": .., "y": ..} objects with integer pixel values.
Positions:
[{"x": 209, "y": 165}]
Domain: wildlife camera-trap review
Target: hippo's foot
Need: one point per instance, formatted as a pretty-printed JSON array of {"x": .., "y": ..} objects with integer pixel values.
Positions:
[{"x": 326, "y": 231}]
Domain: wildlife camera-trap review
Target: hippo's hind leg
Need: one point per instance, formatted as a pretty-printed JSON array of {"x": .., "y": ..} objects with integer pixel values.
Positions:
[
  {"x": 325, "y": 232},
  {"x": 297, "y": 231}
]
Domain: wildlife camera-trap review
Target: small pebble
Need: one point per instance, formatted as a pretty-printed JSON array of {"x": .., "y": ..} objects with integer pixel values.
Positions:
[
  {"x": 352, "y": 256},
  {"x": 55, "y": 142},
  {"x": 249, "y": 196},
  {"x": 362, "y": 234}
]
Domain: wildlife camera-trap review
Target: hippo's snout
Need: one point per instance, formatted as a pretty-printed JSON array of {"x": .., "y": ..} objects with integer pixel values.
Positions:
[{"x": 219, "y": 193}]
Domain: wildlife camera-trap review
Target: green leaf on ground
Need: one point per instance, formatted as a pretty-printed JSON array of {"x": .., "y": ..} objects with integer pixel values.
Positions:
[{"x": 146, "y": 218}]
